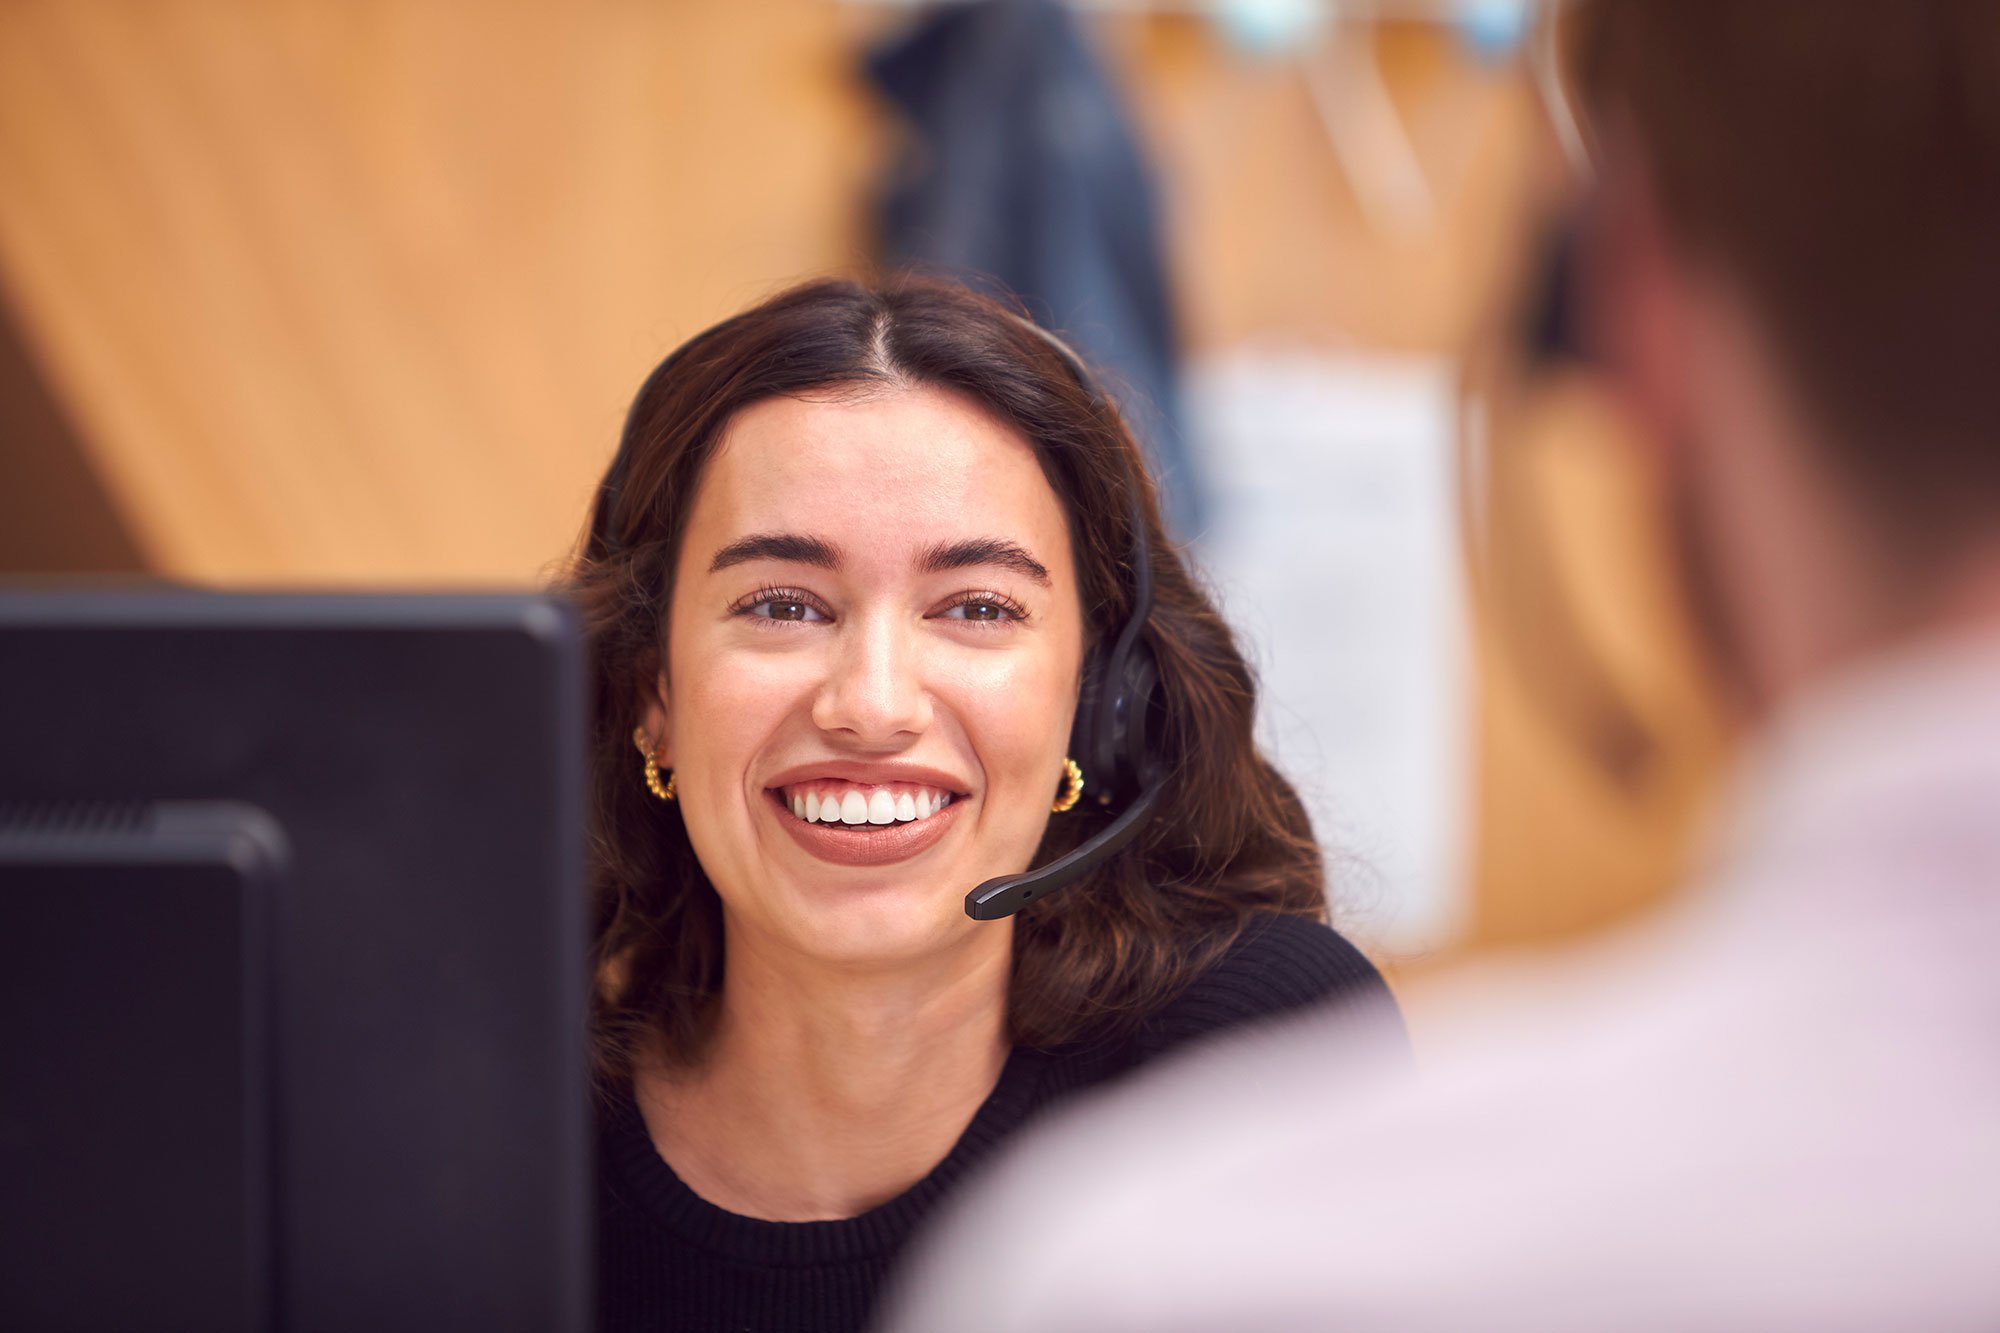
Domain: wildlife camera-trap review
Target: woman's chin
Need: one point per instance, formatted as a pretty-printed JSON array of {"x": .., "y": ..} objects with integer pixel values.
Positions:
[{"x": 880, "y": 925}]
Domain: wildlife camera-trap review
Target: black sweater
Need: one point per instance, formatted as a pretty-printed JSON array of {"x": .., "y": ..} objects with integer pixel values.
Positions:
[{"x": 670, "y": 1260}]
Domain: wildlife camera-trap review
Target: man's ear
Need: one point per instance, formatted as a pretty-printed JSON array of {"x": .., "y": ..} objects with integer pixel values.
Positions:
[{"x": 1637, "y": 289}]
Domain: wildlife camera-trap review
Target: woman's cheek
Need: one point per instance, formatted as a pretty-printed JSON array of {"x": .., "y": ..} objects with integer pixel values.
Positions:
[
  {"x": 732, "y": 705},
  {"x": 1023, "y": 713},
  {"x": 743, "y": 694}
]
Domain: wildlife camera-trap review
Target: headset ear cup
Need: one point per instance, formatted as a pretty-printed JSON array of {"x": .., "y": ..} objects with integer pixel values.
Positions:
[
  {"x": 1118, "y": 717},
  {"x": 1135, "y": 719}
]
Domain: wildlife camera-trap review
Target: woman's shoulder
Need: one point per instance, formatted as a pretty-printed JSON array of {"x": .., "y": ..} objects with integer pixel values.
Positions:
[{"x": 1277, "y": 964}]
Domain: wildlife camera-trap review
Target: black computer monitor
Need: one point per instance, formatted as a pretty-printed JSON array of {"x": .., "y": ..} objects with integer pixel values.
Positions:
[{"x": 292, "y": 962}]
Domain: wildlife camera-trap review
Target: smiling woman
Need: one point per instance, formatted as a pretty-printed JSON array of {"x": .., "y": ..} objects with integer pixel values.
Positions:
[{"x": 843, "y": 582}]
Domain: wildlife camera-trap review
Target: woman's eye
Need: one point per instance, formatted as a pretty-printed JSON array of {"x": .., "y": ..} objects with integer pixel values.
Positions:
[
  {"x": 980, "y": 611},
  {"x": 786, "y": 609}
]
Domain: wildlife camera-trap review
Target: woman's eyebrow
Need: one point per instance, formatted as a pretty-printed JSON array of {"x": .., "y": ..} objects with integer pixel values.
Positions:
[
  {"x": 984, "y": 551},
  {"x": 789, "y": 546}
]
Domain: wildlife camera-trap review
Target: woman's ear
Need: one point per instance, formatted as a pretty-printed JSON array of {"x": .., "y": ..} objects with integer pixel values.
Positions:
[{"x": 655, "y": 716}]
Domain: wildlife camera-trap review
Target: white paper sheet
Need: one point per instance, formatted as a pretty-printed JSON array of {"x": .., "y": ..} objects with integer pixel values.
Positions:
[{"x": 1333, "y": 541}]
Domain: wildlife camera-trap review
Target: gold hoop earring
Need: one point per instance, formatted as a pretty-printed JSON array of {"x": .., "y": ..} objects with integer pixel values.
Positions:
[
  {"x": 1072, "y": 787},
  {"x": 653, "y": 784}
]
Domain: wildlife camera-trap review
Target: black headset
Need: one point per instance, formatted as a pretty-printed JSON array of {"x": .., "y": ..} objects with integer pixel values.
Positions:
[{"x": 1118, "y": 703}]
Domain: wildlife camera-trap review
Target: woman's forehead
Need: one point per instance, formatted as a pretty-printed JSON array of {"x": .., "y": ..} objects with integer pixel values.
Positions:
[{"x": 888, "y": 474}]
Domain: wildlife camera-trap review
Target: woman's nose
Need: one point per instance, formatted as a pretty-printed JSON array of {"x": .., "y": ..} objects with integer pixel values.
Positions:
[{"x": 874, "y": 689}]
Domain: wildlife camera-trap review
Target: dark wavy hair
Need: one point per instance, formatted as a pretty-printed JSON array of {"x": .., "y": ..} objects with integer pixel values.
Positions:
[{"x": 1231, "y": 837}]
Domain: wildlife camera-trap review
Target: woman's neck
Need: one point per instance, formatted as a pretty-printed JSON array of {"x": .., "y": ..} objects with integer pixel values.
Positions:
[{"x": 826, "y": 1091}]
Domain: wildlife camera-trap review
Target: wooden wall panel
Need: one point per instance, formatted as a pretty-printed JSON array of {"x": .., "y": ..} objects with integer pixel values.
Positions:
[
  {"x": 56, "y": 516},
  {"x": 1271, "y": 242},
  {"x": 1600, "y": 737},
  {"x": 357, "y": 291}
]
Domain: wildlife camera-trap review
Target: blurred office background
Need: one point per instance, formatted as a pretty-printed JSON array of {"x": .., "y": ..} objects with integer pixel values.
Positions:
[{"x": 354, "y": 292}]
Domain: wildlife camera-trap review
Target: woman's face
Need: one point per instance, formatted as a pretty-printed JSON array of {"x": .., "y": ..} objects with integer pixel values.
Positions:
[{"x": 872, "y": 663}]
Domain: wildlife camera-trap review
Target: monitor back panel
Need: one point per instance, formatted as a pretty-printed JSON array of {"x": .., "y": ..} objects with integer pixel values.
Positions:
[{"x": 423, "y": 757}]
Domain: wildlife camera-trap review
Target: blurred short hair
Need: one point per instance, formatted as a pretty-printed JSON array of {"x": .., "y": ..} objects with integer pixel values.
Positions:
[{"x": 1839, "y": 160}]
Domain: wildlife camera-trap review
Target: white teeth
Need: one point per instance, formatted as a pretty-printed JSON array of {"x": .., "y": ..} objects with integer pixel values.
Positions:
[{"x": 877, "y": 807}]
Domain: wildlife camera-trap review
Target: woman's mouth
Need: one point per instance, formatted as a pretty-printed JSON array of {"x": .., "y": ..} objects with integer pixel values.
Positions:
[
  {"x": 865, "y": 824},
  {"x": 855, "y": 804}
]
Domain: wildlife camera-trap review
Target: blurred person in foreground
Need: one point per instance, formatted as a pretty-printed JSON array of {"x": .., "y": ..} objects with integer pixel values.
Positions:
[{"x": 1780, "y": 1109}]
